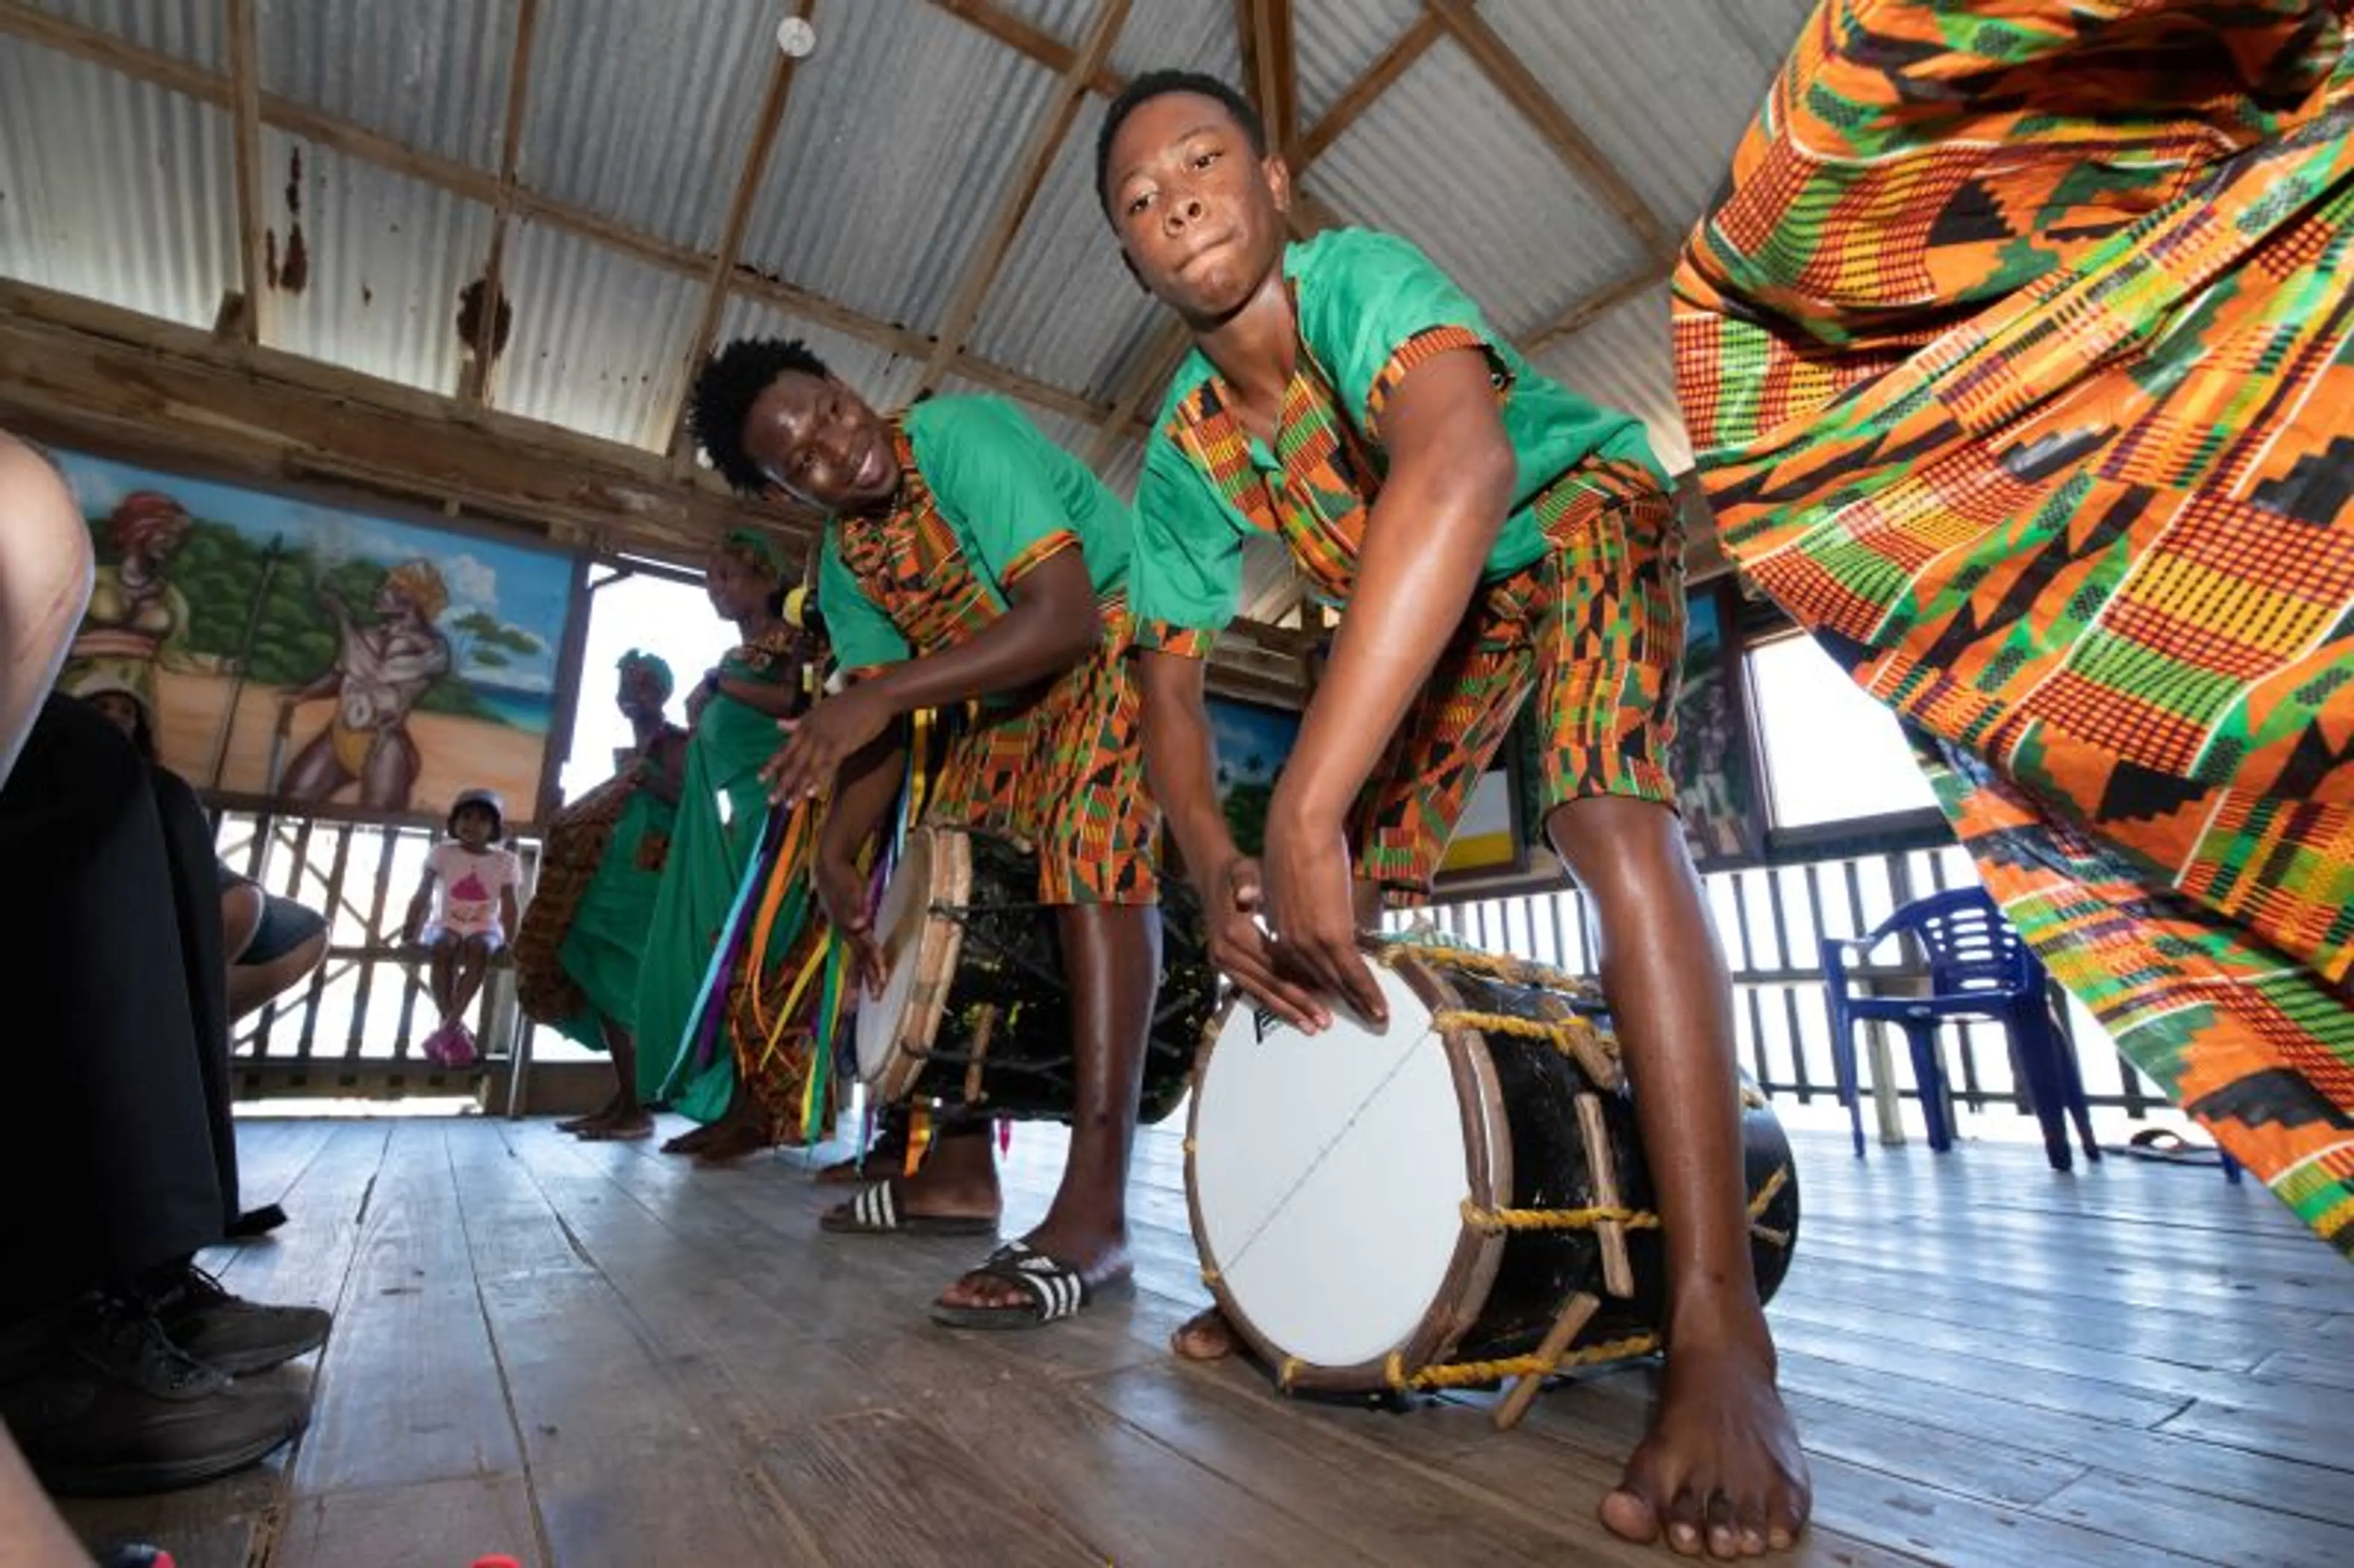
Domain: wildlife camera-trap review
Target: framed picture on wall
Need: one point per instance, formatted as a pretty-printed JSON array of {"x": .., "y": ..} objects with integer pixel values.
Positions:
[
  {"x": 316, "y": 658},
  {"x": 1713, "y": 757}
]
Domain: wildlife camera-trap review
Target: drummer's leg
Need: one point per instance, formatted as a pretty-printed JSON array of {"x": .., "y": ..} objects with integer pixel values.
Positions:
[
  {"x": 1720, "y": 1468},
  {"x": 1086, "y": 805}
]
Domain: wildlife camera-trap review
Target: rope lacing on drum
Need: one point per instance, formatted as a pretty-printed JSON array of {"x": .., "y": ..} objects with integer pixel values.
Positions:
[
  {"x": 1472, "y": 1374},
  {"x": 1587, "y": 1219}
]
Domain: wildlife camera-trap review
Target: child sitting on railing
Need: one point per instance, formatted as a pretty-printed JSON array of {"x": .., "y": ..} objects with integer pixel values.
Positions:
[{"x": 476, "y": 880}]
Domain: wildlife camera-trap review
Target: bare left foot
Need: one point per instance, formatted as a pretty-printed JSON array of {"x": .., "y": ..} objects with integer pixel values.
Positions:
[
  {"x": 732, "y": 1140},
  {"x": 1720, "y": 1471}
]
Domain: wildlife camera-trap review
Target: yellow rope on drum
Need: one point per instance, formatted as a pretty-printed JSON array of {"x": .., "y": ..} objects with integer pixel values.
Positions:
[
  {"x": 1471, "y": 1375},
  {"x": 1495, "y": 966},
  {"x": 1493, "y": 1220}
]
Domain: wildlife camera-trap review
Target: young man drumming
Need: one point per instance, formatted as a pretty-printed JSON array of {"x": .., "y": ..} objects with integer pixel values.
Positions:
[
  {"x": 1488, "y": 532},
  {"x": 968, "y": 559}
]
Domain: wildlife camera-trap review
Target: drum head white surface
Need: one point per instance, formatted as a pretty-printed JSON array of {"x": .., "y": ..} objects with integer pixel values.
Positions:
[
  {"x": 1329, "y": 1176},
  {"x": 898, "y": 926}
]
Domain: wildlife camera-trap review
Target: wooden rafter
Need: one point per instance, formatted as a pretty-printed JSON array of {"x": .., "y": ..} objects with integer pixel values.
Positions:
[
  {"x": 482, "y": 354},
  {"x": 1275, "y": 71},
  {"x": 1520, "y": 88},
  {"x": 206, "y": 86},
  {"x": 1023, "y": 38},
  {"x": 1154, "y": 366},
  {"x": 1412, "y": 45},
  {"x": 245, "y": 108},
  {"x": 1038, "y": 158},
  {"x": 749, "y": 181},
  {"x": 98, "y": 373},
  {"x": 1582, "y": 313}
]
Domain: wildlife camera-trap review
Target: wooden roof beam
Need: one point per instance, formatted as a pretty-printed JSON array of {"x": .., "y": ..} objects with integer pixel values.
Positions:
[
  {"x": 1277, "y": 71},
  {"x": 749, "y": 181},
  {"x": 1582, "y": 313},
  {"x": 1520, "y": 88},
  {"x": 1046, "y": 141},
  {"x": 88, "y": 372},
  {"x": 22, "y": 20},
  {"x": 482, "y": 353},
  {"x": 1393, "y": 63},
  {"x": 1041, "y": 46},
  {"x": 245, "y": 112},
  {"x": 1155, "y": 366}
]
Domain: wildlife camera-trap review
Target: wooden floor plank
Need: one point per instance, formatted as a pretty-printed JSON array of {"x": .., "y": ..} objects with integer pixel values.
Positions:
[
  {"x": 409, "y": 1390},
  {"x": 598, "y": 1356},
  {"x": 2243, "y": 1535},
  {"x": 455, "y": 1522},
  {"x": 890, "y": 1490}
]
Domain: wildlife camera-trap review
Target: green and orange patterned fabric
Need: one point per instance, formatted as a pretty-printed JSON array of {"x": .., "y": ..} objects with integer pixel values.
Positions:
[{"x": 2015, "y": 355}]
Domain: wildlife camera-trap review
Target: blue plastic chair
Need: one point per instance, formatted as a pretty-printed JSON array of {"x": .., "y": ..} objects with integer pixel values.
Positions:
[{"x": 1978, "y": 968}]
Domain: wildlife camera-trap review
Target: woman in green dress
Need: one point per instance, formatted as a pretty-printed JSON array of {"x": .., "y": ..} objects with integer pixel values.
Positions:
[
  {"x": 732, "y": 937},
  {"x": 577, "y": 956}
]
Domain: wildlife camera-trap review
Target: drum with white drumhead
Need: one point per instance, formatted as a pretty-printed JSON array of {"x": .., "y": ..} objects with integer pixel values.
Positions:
[
  {"x": 1427, "y": 1205},
  {"x": 975, "y": 1010}
]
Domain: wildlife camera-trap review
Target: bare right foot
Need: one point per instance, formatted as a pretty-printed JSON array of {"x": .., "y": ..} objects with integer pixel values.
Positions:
[
  {"x": 1206, "y": 1336},
  {"x": 692, "y": 1140}
]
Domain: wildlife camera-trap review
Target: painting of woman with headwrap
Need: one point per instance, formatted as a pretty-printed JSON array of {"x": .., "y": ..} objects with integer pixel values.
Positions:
[
  {"x": 138, "y": 619},
  {"x": 379, "y": 672}
]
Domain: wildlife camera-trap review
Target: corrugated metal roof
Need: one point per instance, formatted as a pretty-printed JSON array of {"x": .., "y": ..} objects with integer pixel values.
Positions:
[
  {"x": 643, "y": 111},
  {"x": 430, "y": 74},
  {"x": 1622, "y": 358},
  {"x": 1442, "y": 159},
  {"x": 1064, "y": 308},
  {"x": 185, "y": 29},
  {"x": 1613, "y": 64},
  {"x": 903, "y": 135},
  {"x": 1333, "y": 41},
  {"x": 600, "y": 338},
  {"x": 884, "y": 379},
  {"x": 385, "y": 259},
  {"x": 115, "y": 189},
  {"x": 1178, "y": 35}
]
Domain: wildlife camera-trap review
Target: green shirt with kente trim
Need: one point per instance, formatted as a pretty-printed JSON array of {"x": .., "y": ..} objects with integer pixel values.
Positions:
[
  {"x": 1370, "y": 308},
  {"x": 983, "y": 497}
]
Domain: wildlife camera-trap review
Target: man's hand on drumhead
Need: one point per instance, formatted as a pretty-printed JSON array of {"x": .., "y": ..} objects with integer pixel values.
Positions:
[
  {"x": 842, "y": 893},
  {"x": 1311, "y": 908},
  {"x": 821, "y": 740},
  {"x": 1241, "y": 950}
]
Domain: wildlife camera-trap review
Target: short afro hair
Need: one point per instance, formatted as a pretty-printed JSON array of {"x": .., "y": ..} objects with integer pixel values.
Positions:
[
  {"x": 722, "y": 397},
  {"x": 1152, "y": 84}
]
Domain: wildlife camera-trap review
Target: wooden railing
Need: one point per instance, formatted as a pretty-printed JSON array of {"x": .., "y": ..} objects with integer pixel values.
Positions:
[
  {"x": 353, "y": 1028},
  {"x": 1772, "y": 921}
]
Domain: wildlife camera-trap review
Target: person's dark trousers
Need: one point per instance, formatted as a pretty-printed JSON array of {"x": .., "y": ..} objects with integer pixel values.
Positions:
[
  {"x": 204, "y": 957},
  {"x": 111, "y": 1170}
]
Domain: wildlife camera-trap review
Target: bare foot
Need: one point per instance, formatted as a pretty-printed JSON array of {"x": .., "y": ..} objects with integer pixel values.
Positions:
[
  {"x": 622, "y": 1127},
  {"x": 1100, "y": 1258},
  {"x": 1206, "y": 1336},
  {"x": 731, "y": 1141},
  {"x": 1719, "y": 1471},
  {"x": 693, "y": 1139},
  {"x": 605, "y": 1112}
]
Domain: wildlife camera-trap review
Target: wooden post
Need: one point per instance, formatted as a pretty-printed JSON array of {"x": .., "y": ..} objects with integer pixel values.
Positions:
[
  {"x": 1575, "y": 1313},
  {"x": 1617, "y": 1269}
]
